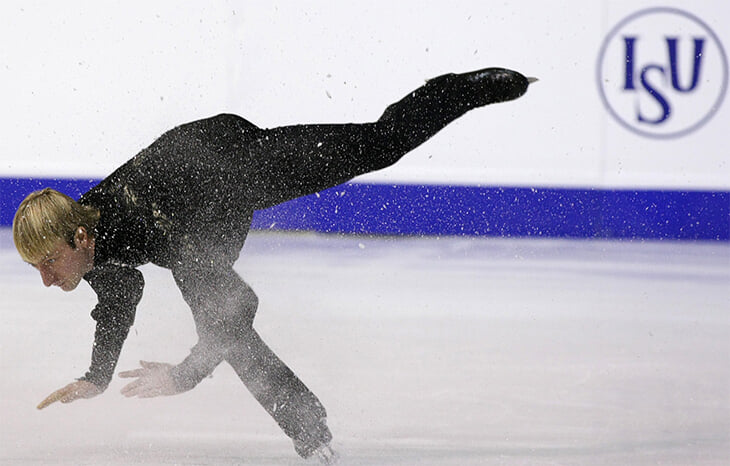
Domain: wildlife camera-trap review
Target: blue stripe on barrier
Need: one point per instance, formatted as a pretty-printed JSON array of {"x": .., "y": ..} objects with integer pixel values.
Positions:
[
  {"x": 469, "y": 210},
  {"x": 14, "y": 190}
]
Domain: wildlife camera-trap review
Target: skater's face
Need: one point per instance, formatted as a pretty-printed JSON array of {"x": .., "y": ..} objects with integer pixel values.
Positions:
[{"x": 65, "y": 266}]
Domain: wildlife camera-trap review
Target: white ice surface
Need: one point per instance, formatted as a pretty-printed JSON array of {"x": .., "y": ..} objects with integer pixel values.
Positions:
[{"x": 451, "y": 351}]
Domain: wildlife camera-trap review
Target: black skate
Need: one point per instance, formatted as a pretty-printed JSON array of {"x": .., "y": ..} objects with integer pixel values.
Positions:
[
  {"x": 324, "y": 453},
  {"x": 486, "y": 86}
]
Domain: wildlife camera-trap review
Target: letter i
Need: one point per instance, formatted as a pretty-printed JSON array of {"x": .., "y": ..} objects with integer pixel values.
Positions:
[{"x": 629, "y": 77}]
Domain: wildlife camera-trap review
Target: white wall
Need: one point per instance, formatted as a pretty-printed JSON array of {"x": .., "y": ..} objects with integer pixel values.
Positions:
[{"x": 85, "y": 85}]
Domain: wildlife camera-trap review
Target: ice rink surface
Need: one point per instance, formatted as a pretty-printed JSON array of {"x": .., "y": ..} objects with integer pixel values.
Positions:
[{"x": 425, "y": 351}]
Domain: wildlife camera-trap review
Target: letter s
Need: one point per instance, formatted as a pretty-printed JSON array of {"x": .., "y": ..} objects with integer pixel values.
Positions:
[{"x": 666, "y": 110}]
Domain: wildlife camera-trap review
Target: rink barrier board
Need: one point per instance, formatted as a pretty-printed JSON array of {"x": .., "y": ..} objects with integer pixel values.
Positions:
[{"x": 382, "y": 209}]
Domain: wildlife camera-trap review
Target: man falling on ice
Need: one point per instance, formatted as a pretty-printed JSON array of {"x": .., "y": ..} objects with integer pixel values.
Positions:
[{"x": 186, "y": 202}]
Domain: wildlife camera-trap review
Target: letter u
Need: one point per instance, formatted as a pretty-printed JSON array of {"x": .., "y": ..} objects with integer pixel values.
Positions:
[{"x": 672, "y": 47}]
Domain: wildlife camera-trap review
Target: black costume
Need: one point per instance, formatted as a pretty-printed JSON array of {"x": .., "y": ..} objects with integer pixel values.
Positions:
[{"x": 186, "y": 203}]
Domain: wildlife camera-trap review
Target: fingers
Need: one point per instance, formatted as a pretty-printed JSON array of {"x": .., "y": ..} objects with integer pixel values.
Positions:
[
  {"x": 132, "y": 388},
  {"x": 143, "y": 379},
  {"x": 52, "y": 398},
  {"x": 147, "y": 387},
  {"x": 133, "y": 373},
  {"x": 143, "y": 388},
  {"x": 147, "y": 366},
  {"x": 71, "y": 392},
  {"x": 152, "y": 379}
]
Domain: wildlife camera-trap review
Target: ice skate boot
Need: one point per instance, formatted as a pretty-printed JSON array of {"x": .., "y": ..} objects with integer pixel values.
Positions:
[
  {"x": 326, "y": 455},
  {"x": 488, "y": 85}
]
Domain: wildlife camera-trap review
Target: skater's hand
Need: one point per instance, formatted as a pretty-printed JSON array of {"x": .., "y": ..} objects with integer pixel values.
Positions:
[
  {"x": 153, "y": 379},
  {"x": 71, "y": 392}
]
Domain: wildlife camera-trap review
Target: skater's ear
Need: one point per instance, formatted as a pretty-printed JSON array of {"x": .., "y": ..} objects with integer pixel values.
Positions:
[{"x": 82, "y": 239}]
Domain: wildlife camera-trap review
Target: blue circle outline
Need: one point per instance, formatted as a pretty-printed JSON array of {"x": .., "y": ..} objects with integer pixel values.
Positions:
[{"x": 599, "y": 68}]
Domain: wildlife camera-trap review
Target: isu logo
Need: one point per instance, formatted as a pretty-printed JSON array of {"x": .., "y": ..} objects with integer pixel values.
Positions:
[{"x": 662, "y": 72}]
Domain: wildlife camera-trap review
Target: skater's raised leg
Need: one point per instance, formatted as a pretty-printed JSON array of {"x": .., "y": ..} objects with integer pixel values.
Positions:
[{"x": 293, "y": 161}]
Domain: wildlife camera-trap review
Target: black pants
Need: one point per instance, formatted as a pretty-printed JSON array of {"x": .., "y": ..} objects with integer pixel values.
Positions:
[
  {"x": 293, "y": 161},
  {"x": 266, "y": 167}
]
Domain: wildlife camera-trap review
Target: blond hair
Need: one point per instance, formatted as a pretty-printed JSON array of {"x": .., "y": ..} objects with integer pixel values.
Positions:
[{"x": 46, "y": 216}]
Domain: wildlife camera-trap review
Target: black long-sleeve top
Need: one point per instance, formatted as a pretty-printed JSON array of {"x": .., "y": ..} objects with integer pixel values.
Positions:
[{"x": 155, "y": 208}]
